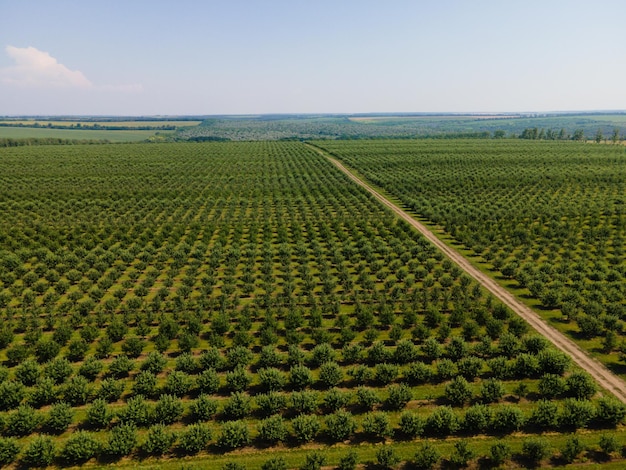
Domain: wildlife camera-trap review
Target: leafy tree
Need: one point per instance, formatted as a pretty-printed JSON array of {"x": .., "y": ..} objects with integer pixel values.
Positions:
[
  {"x": 110, "y": 390},
  {"x": 145, "y": 384},
  {"x": 462, "y": 454},
  {"x": 271, "y": 379},
  {"x": 28, "y": 372},
  {"x": 399, "y": 396},
  {"x": 234, "y": 434},
  {"x": 534, "y": 450},
  {"x": 300, "y": 377},
  {"x": 334, "y": 399},
  {"x": 507, "y": 418},
  {"x": 59, "y": 417},
  {"x": 40, "y": 452},
  {"x": 178, "y": 383},
  {"x": 442, "y": 422},
  {"x": 545, "y": 414},
  {"x": 572, "y": 449},
  {"x": 581, "y": 385},
  {"x": 386, "y": 457},
  {"x": 272, "y": 429},
  {"x": 377, "y": 425},
  {"x": 366, "y": 398},
  {"x": 275, "y": 463},
  {"x": 458, "y": 391},
  {"x": 330, "y": 374},
  {"x": 58, "y": 369},
  {"x": 314, "y": 461},
  {"x": 208, "y": 381},
  {"x": 551, "y": 386},
  {"x": 305, "y": 427},
  {"x": 136, "y": 412},
  {"x": 237, "y": 406},
  {"x": 98, "y": 414},
  {"x": 9, "y": 448},
  {"x": 154, "y": 362},
  {"x": 426, "y": 457},
  {"x": 499, "y": 453},
  {"x": 80, "y": 447},
  {"x": 203, "y": 408},
  {"x": 477, "y": 419},
  {"x": 22, "y": 422},
  {"x": 121, "y": 366},
  {"x": 159, "y": 440},
  {"x": 168, "y": 409},
  {"x": 133, "y": 346},
  {"x": 122, "y": 440},
  {"x": 90, "y": 368},
  {"x": 340, "y": 425},
  {"x": 576, "y": 413},
  {"x": 418, "y": 373},
  {"x": 608, "y": 444},
  {"x": 77, "y": 390},
  {"x": 491, "y": 391},
  {"x": 305, "y": 401},
  {"x": 348, "y": 461},
  {"x": 270, "y": 403},
  {"x": 610, "y": 411}
]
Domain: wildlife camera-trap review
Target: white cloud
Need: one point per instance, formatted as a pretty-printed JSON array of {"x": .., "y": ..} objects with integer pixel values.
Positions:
[{"x": 37, "y": 69}]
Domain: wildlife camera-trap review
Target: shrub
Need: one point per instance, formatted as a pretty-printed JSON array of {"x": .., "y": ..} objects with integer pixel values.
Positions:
[
  {"x": 418, "y": 373},
  {"x": 330, "y": 374},
  {"x": 446, "y": 369},
  {"x": 576, "y": 413},
  {"x": 545, "y": 414},
  {"x": 238, "y": 356},
  {"x": 399, "y": 396},
  {"x": 178, "y": 383},
  {"x": 11, "y": 394},
  {"x": 572, "y": 449},
  {"x": 305, "y": 401},
  {"x": 58, "y": 369},
  {"x": 28, "y": 372},
  {"x": 136, "y": 412},
  {"x": 59, "y": 417},
  {"x": 470, "y": 367},
  {"x": 194, "y": 438},
  {"x": 159, "y": 440},
  {"x": 340, "y": 425},
  {"x": 234, "y": 434},
  {"x": 426, "y": 457},
  {"x": 442, "y": 422},
  {"x": 366, "y": 398},
  {"x": 144, "y": 384},
  {"x": 462, "y": 454},
  {"x": 155, "y": 362},
  {"x": 98, "y": 415},
  {"x": 377, "y": 425},
  {"x": 385, "y": 373},
  {"x": 410, "y": 425},
  {"x": 44, "y": 392},
  {"x": 275, "y": 463},
  {"x": 551, "y": 386},
  {"x": 90, "y": 368},
  {"x": 270, "y": 403},
  {"x": 9, "y": 448},
  {"x": 581, "y": 385},
  {"x": 121, "y": 366},
  {"x": 23, "y": 421},
  {"x": 168, "y": 409},
  {"x": 272, "y": 429},
  {"x": 77, "y": 349},
  {"x": 238, "y": 406},
  {"x": 386, "y": 457},
  {"x": 208, "y": 381},
  {"x": 122, "y": 440},
  {"x": 238, "y": 379},
  {"x": 499, "y": 453},
  {"x": 233, "y": 466},
  {"x": 110, "y": 390},
  {"x": 40, "y": 452},
  {"x": 186, "y": 363},
  {"x": 305, "y": 427},
  {"x": 507, "y": 418},
  {"x": 314, "y": 461},
  {"x": 271, "y": 379},
  {"x": 534, "y": 450},
  {"x": 203, "y": 408},
  {"x": 610, "y": 411},
  {"x": 477, "y": 419},
  {"x": 608, "y": 444},
  {"x": 77, "y": 390},
  {"x": 300, "y": 377},
  {"x": 491, "y": 391},
  {"x": 458, "y": 391},
  {"x": 334, "y": 399},
  {"x": 80, "y": 447}
]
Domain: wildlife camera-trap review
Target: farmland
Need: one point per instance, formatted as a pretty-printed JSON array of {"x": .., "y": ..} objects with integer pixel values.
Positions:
[
  {"x": 190, "y": 300},
  {"x": 74, "y": 134},
  {"x": 546, "y": 219}
]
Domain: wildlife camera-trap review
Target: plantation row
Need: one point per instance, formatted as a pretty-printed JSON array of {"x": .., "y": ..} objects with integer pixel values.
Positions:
[
  {"x": 206, "y": 297},
  {"x": 549, "y": 216}
]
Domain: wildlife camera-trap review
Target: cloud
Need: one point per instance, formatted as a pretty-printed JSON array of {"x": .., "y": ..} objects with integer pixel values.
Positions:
[{"x": 37, "y": 69}]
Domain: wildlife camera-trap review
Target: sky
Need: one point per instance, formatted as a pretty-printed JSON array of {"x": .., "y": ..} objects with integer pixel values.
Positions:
[{"x": 203, "y": 57}]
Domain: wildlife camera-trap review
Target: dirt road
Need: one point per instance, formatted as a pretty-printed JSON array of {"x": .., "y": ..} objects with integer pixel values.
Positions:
[{"x": 604, "y": 376}]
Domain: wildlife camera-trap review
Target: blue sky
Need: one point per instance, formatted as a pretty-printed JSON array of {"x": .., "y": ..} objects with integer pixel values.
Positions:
[{"x": 138, "y": 57}]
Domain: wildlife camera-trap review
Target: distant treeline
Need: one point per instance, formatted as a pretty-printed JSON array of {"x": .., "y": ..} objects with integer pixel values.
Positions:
[
  {"x": 100, "y": 127},
  {"x": 12, "y": 142}
]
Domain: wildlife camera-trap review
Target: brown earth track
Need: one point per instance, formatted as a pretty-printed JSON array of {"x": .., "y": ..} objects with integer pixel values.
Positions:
[{"x": 598, "y": 371}]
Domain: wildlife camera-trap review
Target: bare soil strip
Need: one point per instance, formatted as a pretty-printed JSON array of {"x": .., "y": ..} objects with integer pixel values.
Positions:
[{"x": 604, "y": 376}]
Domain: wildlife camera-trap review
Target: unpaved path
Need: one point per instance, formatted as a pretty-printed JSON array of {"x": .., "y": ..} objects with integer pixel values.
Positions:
[{"x": 604, "y": 376}]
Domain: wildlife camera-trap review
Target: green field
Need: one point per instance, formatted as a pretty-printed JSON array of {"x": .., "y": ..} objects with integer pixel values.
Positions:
[
  {"x": 75, "y": 134},
  {"x": 239, "y": 299}
]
